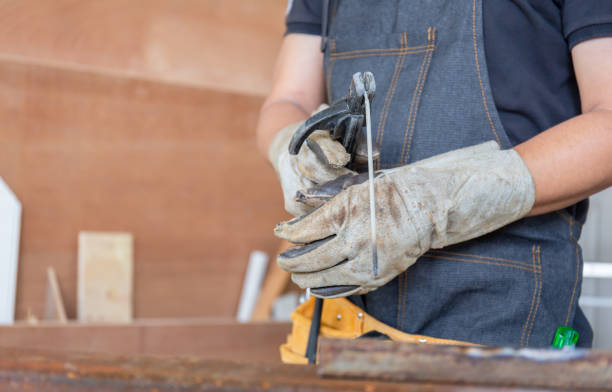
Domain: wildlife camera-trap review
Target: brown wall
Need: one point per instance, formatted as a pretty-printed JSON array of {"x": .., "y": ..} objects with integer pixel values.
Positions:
[
  {"x": 94, "y": 137},
  {"x": 228, "y": 44}
]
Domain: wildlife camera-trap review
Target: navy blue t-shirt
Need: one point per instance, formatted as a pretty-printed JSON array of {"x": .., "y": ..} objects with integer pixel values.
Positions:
[{"x": 527, "y": 44}]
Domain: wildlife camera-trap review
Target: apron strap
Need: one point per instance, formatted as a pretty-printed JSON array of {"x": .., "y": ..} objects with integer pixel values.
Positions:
[{"x": 324, "y": 25}]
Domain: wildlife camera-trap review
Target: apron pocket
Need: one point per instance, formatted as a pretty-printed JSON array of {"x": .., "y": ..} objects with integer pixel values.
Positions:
[{"x": 476, "y": 295}]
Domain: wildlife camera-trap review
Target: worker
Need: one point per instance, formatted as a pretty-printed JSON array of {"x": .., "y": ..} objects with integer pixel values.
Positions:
[{"x": 494, "y": 120}]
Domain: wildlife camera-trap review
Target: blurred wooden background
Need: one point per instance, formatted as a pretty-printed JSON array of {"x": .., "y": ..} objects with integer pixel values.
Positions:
[{"x": 139, "y": 116}]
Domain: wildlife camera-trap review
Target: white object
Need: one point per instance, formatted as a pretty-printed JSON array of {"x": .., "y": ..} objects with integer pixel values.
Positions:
[
  {"x": 595, "y": 302},
  {"x": 598, "y": 270},
  {"x": 10, "y": 228},
  {"x": 258, "y": 262},
  {"x": 284, "y": 306},
  {"x": 371, "y": 182}
]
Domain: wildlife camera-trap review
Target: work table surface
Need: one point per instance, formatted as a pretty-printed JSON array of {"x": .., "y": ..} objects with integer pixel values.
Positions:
[{"x": 36, "y": 370}]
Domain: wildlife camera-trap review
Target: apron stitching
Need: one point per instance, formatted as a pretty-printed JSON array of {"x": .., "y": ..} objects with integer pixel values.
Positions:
[
  {"x": 431, "y": 33},
  {"x": 481, "y": 257},
  {"x": 414, "y": 94},
  {"x": 381, "y": 50},
  {"x": 374, "y": 50},
  {"x": 402, "y": 300},
  {"x": 480, "y": 262},
  {"x": 332, "y": 49},
  {"x": 568, "y": 218},
  {"x": 389, "y": 97},
  {"x": 482, "y": 92},
  {"x": 399, "y": 300},
  {"x": 404, "y": 297},
  {"x": 571, "y": 304},
  {"x": 395, "y": 53},
  {"x": 541, "y": 282},
  {"x": 571, "y": 231},
  {"x": 334, "y": 9},
  {"x": 533, "y": 297},
  {"x": 383, "y": 165}
]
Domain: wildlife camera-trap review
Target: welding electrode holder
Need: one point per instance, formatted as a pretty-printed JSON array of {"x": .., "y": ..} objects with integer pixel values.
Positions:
[{"x": 344, "y": 120}]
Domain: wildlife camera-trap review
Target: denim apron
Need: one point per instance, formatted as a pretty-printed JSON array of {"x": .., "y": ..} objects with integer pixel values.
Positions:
[{"x": 512, "y": 287}]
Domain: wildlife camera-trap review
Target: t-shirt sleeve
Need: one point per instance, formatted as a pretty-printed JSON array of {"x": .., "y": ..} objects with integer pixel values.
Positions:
[
  {"x": 304, "y": 17},
  {"x": 586, "y": 19}
]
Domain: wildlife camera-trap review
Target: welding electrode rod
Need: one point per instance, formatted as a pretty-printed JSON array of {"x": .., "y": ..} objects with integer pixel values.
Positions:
[
  {"x": 371, "y": 180},
  {"x": 313, "y": 336}
]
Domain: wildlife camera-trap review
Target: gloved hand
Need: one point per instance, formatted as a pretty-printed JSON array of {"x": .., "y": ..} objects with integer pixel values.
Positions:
[
  {"x": 433, "y": 203},
  {"x": 320, "y": 159}
]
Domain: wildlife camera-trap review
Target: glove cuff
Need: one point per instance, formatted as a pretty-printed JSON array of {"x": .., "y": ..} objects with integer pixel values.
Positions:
[
  {"x": 468, "y": 193},
  {"x": 280, "y": 144},
  {"x": 494, "y": 190}
]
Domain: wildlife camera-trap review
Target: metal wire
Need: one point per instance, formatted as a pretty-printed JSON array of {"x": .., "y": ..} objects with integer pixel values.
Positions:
[{"x": 371, "y": 180}]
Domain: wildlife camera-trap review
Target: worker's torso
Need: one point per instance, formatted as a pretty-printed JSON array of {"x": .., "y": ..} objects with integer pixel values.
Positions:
[{"x": 512, "y": 287}]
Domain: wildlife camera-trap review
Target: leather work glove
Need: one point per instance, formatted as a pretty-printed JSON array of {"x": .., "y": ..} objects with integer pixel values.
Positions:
[
  {"x": 443, "y": 200},
  {"x": 320, "y": 159}
]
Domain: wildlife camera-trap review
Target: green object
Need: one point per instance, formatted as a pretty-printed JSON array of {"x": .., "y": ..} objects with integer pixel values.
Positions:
[{"x": 565, "y": 337}]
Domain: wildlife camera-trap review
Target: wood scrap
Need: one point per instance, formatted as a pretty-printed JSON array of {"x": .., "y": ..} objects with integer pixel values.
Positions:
[
  {"x": 38, "y": 370},
  {"x": 31, "y": 318},
  {"x": 105, "y": 277},
  {"x": 54, "y": 303},
  {"x": 208, "y": 338}
]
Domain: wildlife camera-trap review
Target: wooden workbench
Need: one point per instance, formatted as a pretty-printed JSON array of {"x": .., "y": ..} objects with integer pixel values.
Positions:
[
  {"x": 204, "y": 338},
  {"x": 34, "y": 370}
]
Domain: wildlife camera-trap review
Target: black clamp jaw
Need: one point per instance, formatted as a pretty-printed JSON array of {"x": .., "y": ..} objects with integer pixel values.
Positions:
[{"x": 344, "y": 120}]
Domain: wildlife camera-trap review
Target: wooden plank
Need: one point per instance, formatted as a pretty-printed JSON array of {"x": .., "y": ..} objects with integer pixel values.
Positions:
[
  {"x": 39, "y": 370},
  {"x": 176, "y": 166},
  {"x": 198, "y": 42},
  {"x": 204, "y": 338},
  {"x": 54, "y": 304},
  {"x": 105, "y": 277},
  {"x": 10, "y": 231},
  {"x": 397, "y": 361},
  {"x": 274, "y": 285}
]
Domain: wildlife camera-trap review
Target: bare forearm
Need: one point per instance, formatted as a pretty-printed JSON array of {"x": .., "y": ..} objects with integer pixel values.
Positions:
[
  {"x": 297, "y": 87},
  {"x": 570, "y": 161}
]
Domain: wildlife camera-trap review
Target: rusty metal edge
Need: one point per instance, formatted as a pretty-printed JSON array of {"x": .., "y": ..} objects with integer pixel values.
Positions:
[{"x": 528, "y": 368}]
